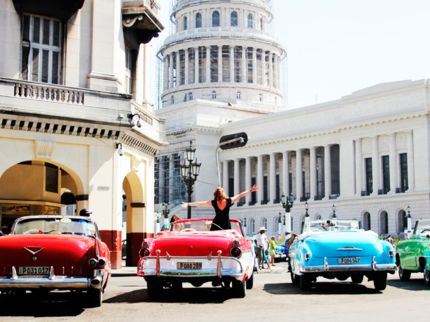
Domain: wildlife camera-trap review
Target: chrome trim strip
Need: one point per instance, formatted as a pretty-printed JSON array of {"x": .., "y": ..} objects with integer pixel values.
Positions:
[
  {"x": 51, "y": 273},
  {"x": 351, "y": 268},
  {"x": 44, "y": 282},
  {"x": 194, "y": 274},
  {"x": 373, "y": 263},
  {"x": 14, "y": 274},
  {"x": 325, "y": 264},
  {"x": 157, "y": 267},
  {"x": 218, "y": 266},
  {"x": 349, "y": 249}
]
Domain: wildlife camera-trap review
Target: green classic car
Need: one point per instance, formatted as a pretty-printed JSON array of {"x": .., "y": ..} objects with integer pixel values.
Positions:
[{"x": 413, "y": 255}]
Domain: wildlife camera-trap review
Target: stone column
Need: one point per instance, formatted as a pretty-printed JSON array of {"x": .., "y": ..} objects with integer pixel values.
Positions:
[
  {"x": 187, "y": 65},
  {"x": 358, "y": 168},
  {"x": 231, "y": 64},
  {"x": 270, "y": 70},
  {"x": 375, "y": 166},
  {"x": 171, "y": 70},
  {"x": 248, "y": 181},
  {"x": 327, "y": 171},
  {"x": 313, "y": 170},
  {"x": 219, "y": 63},
  {"x": 236, "y": 177},
  {"x": 196, "y": 65},
  {"x": 411, "y": 160},
  {"x": 254, "y": 65},
  {"x": 260, "y": 179},
  {"x": 225, "y": 175},
  {"x": 299, "y": 174},
  {"x": 286, "y": 173},
  {"x": 208, "y": 64},
  {"x": 166, "y": 72},
  {"x": 393, "y": 164},
  {"x": 272, "y": 178},
  {"x": 264, "y": 67},
  {"x": 244, "y": 65}
]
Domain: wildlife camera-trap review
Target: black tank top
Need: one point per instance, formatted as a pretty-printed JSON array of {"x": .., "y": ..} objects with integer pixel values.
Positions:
[{"x": 222, "y": 217}]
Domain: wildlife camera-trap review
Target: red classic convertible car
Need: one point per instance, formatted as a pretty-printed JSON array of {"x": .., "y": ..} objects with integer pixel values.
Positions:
[
  {"x": 45, "y": 253},
  {"x": 192, "y": 253}
]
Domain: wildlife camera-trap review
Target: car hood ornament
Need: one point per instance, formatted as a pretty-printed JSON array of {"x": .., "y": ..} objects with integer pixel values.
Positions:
[{"x": 36, "y": 249}]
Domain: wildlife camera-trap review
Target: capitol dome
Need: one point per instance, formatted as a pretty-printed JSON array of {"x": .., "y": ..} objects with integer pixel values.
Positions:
[{"x": 222, "y": 50}]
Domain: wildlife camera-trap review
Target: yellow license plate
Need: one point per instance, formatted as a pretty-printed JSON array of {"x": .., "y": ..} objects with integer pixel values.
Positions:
[{"x": 189, "y": 266}]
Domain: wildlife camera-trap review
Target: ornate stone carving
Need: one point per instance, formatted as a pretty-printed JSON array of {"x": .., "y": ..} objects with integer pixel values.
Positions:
[
  {"x": 384, "y": 144},
  {"x": 44, "y": 149},
  {"x": 134, "y": 163},
  {"x": 366, "y": 146},
  {"x": 401, "y": 141}
]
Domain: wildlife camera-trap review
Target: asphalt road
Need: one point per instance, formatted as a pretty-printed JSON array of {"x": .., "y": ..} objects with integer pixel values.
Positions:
[{"x": 273, "y": 297}]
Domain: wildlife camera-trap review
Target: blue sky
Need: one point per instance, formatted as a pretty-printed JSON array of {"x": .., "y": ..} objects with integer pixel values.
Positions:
[{"x": 336, "y": 47}]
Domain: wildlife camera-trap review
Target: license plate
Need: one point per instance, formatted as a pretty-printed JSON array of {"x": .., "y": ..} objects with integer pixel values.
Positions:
[
  {"x": 189, "y": 265},
  {"x": 354, "y": 260},
  {"x": 35, "y": 270}
]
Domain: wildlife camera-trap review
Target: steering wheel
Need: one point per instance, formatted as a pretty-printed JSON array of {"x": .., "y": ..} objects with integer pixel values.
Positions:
[
  {"x": 188, "y": 230},
  {"x": 54, "y": 232},
  {"x": 217, "y": 225}
]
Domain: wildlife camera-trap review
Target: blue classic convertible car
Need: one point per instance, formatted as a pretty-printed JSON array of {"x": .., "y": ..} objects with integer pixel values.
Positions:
[{"x": 340, "y": 249}]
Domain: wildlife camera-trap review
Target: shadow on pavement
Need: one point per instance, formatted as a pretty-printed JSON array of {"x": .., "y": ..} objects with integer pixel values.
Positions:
[
  {"x": 53, "y": 305},
  {"x": 323, "y": 288},
  {"x": 411, "y": 285},
  {"x": 193, "y": 295}
]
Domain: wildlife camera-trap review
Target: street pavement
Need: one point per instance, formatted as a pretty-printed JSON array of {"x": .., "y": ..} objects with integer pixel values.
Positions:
[{"x": 273, "y": 297}]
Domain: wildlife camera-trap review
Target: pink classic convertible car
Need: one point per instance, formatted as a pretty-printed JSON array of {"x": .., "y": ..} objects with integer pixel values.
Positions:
[{"x": 191, "y": 253}]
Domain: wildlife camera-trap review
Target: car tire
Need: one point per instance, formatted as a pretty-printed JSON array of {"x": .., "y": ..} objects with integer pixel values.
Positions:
[
  {"x": 250, "y": 282},
  {"x": 95, "y": 297},
  {"x": 380, "y": 281},
  {"x": 357, "y": 279},
  {"x": 404, "y": 274},
  {"x": 154, "y": 288},
  {"x": 305, "y": 282},
  {"x": 427, "y": 277},
  {"x": 239, "y": 288},
  {"x": 294, "y": 278}
]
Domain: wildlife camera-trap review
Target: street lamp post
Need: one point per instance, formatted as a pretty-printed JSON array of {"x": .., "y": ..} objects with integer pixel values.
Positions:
[
  {"x": 166, "y": 211},
  {"x": 287, "y": 203},
  {"x": 307, "y": 208},
  {"x": 244, "y": 226},
  {"x": 284, "y": 228},
  {"x": 157, "y": 224},
  {"x": 334, "y": 211},
  {"x": 280, "y": 223},
  {"x": 190, "y": 173},
  {"x": 409, "y": 223}
]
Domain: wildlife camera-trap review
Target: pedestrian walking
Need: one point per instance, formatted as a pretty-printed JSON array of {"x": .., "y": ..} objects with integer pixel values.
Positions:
[
  {"x": 261, "y": 239},
  {"x": 272, "y": 250}
]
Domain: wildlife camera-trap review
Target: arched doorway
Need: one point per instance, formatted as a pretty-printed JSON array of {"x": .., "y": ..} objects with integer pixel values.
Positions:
[
  {"x": 317, "y": 217},
  {"x": 135, "y": 215},
  {"x": 383, "y": 223},
  {"x": 36, "y": 187},
  {"x": 402, "y": 221},
  {"x": 366, "y": 221}
]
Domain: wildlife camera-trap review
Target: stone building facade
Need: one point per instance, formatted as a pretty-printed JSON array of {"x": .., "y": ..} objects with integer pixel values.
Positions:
[{"x": 77, "y": 126}]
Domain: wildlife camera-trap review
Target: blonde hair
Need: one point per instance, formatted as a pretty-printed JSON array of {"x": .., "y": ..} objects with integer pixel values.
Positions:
[{"x": 219, "y": 194}]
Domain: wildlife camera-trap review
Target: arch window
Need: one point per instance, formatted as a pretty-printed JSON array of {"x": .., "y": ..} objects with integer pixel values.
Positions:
[
  {"x": 198, "y": 20},
  {"x": 215, "y": 19},
  {"x": 172, "y": 100},
  {"x": 214, "y": 95},
  {"x": 185, "y": 23},
  {"x": 250, "y": 21},
  {"x": 233, "y": 19},
  {"x": 239, "y": 95},
  {"x": 317, "y": 217},
  {"x": 383, "y": 223},
  {"x": 264, "y": 223},
  {"x": 190, "y": 96},
  {"x": 252, "y": 226},
  {"x": 366, "y": 221},
  {"x": 261, "y": 24},
  {"x": 402, "y": 221}
]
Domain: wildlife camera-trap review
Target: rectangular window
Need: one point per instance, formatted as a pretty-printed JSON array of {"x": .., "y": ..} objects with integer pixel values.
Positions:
[
  {"x": 259, "y": 66},
  {"x": 51, "y": 178},
  {"x": 181, "y": 67},
  {"x": 175, "y": 69},
  {"x": 214, "y": 64},
  {"x": 226, "y": 64},
  {"x": 202, "y": 64},
  {"x": 41, "y": 49},
  {"x": 369, "y": 176},
  {"x": 253, "y": 194},
  {"x": 249, "y": 62},
  {"x": 274, "y": 72},
  {"x": 128, "y": 71},
  {"x": 290, "y": 183},
  {"x": 278, "y": 189},
  {"x": 238, "y": 64},
  {"x": 157, "y": 180},
  {"x": 166, "y": 177},
  {"x": 191, "y": 65},
  {"x": 386, "y": 173},
  {"x": 231, "y": 186},
  {"x": 265, "y": 190},
  {"x": 304, "y": 185},
  {"x": 404, "y": 185}
]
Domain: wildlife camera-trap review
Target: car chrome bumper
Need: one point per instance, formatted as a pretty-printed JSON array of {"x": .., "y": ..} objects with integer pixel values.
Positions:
[
  {"x": 220, "y": 266},
  {"x": 52, "y": 281},
  {"x": 350, "y": 268}
]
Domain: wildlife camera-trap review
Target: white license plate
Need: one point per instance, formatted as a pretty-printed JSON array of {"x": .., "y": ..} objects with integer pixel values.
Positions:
[
  {"x": 189, "y": 265},
  {"x": 34, "y": 270},
  {"x": 354, "y": 260}
]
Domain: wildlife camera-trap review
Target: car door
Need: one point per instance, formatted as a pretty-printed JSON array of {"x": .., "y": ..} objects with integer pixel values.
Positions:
[{"x": 407, "y": 254}]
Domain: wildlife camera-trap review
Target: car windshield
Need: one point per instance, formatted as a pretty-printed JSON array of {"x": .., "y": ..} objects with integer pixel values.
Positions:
[
  {"x": 55, "y": 226},
  {"x": 330, "y": 225},
  {"x": 201, "y": 225},
  {"x": 422, "y": 227}
]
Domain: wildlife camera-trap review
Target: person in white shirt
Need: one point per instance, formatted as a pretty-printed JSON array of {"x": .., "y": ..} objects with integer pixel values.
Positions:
[{"x": 261, "y": 246}]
